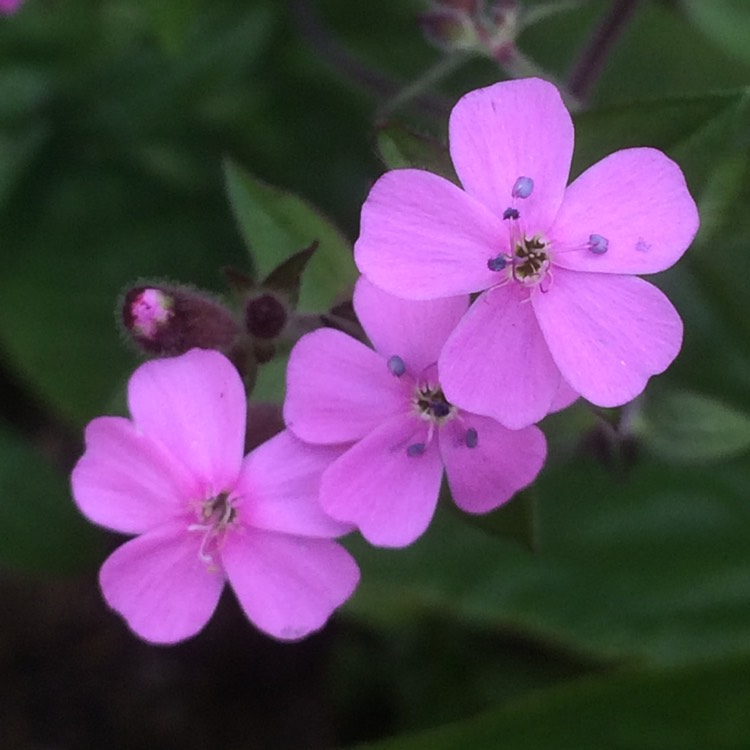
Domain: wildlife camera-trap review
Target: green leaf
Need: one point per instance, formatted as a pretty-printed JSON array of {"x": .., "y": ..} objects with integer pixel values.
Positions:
[
  {"x": 172, "y": 21},
  {"x": 685, "y": 427},
  {"x": 726, "y": 22},
  {"x": 689, "y": 709},
  {"x": 399, "y": 148},
  {"x": 270, "y": 385},
  {"x": 42, "y": 530},
  {"x": 513, "y": 521},
  {"x": 628, "y": 566},
  {"x": 663, "y": 123},
  {"x": 277, "y": 224}
]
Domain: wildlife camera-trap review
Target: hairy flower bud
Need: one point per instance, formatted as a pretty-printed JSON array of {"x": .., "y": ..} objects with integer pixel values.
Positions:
[{"x": 170, "y": 320}]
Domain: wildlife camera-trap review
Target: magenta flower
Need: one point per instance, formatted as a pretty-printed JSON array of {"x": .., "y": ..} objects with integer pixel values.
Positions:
[
  {"x": 175, "y": 475},
  {"x": 556, "y": 266},
  {"x": 389, "y": 405}
]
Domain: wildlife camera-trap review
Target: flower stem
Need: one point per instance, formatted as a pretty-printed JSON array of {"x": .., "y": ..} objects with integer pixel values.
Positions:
[
  {"x": 351, "y": 67},
  {"x": 587, "y": 69},
  {"x": 443, "y": 68}
]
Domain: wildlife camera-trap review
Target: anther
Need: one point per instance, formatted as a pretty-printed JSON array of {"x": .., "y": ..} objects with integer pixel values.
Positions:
[
  {"x": 523, "y": 187},
  {"x": 440, "y": 409},
  {"x": 510, "y": 213},
  {"x": 472, "y": 438},
  {"x": 497, "y": 264},
  {"x": 415, "y": 449},
  {"x": 598, "y": 244},
  {"x": 396, "y": 366}
]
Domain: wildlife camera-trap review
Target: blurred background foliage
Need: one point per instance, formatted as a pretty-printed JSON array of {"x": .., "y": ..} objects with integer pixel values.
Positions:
[{"x": 166, "y": 139}]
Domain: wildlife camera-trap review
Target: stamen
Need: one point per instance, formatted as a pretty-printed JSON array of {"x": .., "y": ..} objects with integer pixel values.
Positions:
[
  {"x": 523, "y": 187},
  {"x": 472, "y": 438},
  {"x": 440, "y": 409},
  {"x": 598, "y": 244},
  {"x": 497, "y": 264},
  {"x": 415, "y": 449},
  {"x": 511, "y": 213},
  {"x": 396, "y": 366}
]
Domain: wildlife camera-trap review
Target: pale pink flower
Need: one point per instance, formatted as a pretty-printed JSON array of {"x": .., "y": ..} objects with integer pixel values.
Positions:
[
  {"x": 389, "y": 405},
  {"x": 175, "y": 475},
  {"x": 557, "y": 265}
]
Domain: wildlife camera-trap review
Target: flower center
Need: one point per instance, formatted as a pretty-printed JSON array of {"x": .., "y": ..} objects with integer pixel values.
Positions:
[
  {"x": 432, "y": 405},
  {"x": 215, "y": 515},
  {"x": 530, "y": 261}
]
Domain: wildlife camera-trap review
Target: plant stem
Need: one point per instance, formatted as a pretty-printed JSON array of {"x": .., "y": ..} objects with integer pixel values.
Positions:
[
  {"x": 588, "y": 67},
  {"x": 374, "y": 81},
  {"x": 444, "y": 67}
]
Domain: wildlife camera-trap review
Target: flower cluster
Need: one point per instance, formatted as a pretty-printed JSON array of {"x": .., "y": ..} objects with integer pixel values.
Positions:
[{"x": 448, "y": 386}]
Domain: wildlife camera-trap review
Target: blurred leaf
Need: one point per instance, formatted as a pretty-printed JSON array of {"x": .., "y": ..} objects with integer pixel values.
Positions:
[
  {"x": 172, "y": 21},
  {"x": 16, "y": 154},
  {"x": 664, "y": 124},
  {"x": 42, "y": 530},
  {"x": 649, "y": 566},
  {"x": 692, "y": 709},
  {"x": 513, "y": 521},
  {"x": 684, "y": 427},
  {"x": 399, "y": 148},
  {"x": 270, "y": 385},
  {"x": 23, "y": 91},
  {"x": 725, "y": 22},
  {"x": 277, "y": 224}
]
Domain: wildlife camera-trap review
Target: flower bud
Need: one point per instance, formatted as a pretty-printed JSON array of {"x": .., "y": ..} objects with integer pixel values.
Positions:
[
  {"x": 170, "y": 320},
  {"x": 265, "y": 316}
]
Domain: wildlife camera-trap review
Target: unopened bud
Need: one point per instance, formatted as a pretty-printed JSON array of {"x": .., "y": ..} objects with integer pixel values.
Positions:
[
  {"x": 487, "y": 28},
  {"x": 170, "y": 320},
  {"x": 265, "y": 316},
  {"x": 448, "y": 28}
]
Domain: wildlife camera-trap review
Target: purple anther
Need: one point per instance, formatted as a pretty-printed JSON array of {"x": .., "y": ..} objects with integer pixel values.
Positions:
[
  {"x": 598, "y": 244},
  {"x": 510, "y": 213},
  {"x": 523, "y": 187},
  {"x": 440, "y": 409},
  {"x": 415, "y": 449},
  {"x": 472, "y": 438},
  {"x": 497, "y": 264},
  {"x": 396, "y": 366}
]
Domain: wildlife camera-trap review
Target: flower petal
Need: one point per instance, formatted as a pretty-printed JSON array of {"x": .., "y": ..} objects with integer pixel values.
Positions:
[
  {"x": 288, "y": 586},
  {"x": 125, "y": 481},
  {"x": 388, "y": 494},
  {"x": 338, "y": 389},
  {"x": 608, "y": 334},
  {"x": 415, "y": 330},
  {"x": 157, "y": 582},
  {"x": 638, "y": 200},
  {"x": 496, "y": 363},
  {"x": 501, "y": 462},
  {"x": 195, "y": 406},
  {"x": 279, "y": 484},
  {"x": 509, "y": 130},
  {"x": 564, "y": 398},
  {"x": 422, "y": 237}
]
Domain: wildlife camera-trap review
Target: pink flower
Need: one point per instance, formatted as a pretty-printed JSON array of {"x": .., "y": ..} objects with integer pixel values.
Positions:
[
  {"x": 175, "y": 475},
  {"x": 561, "y": 302},
  {"x": 390, "y": 406}
]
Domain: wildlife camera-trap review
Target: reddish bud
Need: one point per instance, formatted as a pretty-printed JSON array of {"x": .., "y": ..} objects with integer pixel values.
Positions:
[{"x": 170, "y": 320}]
